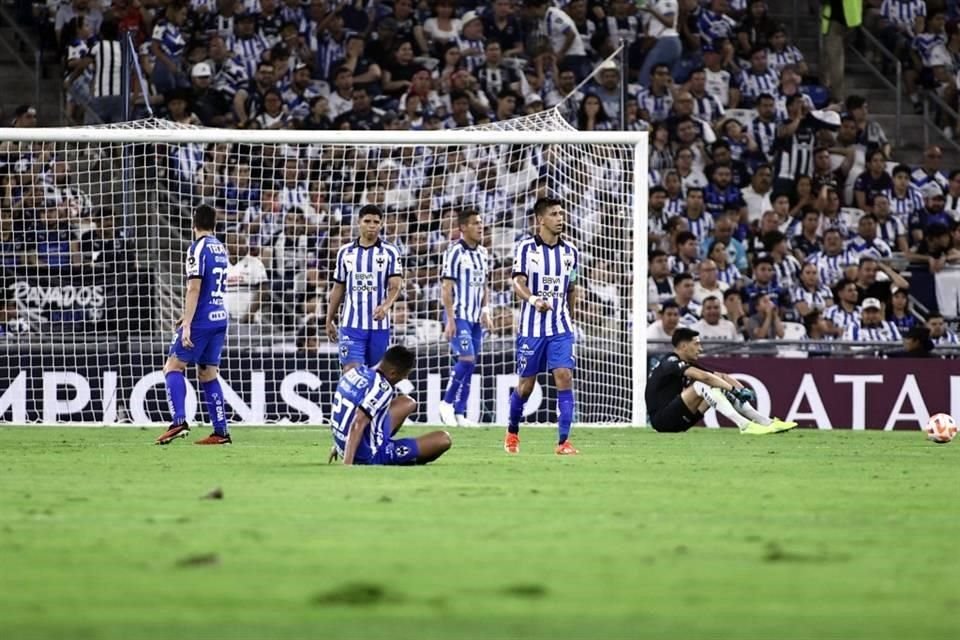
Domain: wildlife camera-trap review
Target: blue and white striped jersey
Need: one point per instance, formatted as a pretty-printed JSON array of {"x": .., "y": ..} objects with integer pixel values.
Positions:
[
  {"x": 840, "y": 317},
  {"x": 551, "y": 272},
  {"x": 170, "y": 39},
  {"x": 787, "y": 271},
  {"x": 207, "y": 261},
  {"x": 468, "y": 268},
  {"x": 886, "y": 331},
  {"x": 779, "y": 59},
  {"x": 729, "y": 275},
  {"x": 947, "y": 338},
  {"x": 249, "y": 51},
  {"x": 920, "y": 177},
  {"x": 765, "y": 134},
  {"x": 931, "y": 47},
  {"x": 903, "y": 12},
  {"x": 364, "y": 272},
  {"x": 675, "y": 206},
  {"x": 905, "y": 206},
  {"x": 657, "y": 107},
  {"x": 362, "y": 389},
  {"x": 701, "y": 227},
  {"x": 708, "y": 108},
  {"x": 831, "y": 267},
  {"x": 753, "y": 84},
  {"x": 816, "y": 299},
  {"x": 875, "y": 248}
]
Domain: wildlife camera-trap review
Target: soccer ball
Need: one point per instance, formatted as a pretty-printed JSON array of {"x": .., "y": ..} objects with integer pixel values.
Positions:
[{"x": 941, "y": 428}]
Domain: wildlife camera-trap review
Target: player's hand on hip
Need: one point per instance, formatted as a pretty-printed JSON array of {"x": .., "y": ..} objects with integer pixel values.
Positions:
[
  {"x": 380, "y": 312},
  {"x": 451, "y": 329},
  {"x": 185, "y": 337},
  {"x": 332, "y": 331}
]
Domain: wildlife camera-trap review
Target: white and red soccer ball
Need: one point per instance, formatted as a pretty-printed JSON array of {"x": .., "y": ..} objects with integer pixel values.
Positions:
[{"x": 941, "y": 428}]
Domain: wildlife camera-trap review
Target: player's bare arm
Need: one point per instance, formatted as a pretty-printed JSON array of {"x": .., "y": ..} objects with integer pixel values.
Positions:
[
  {"x": 485, "y": 319},
  {"x": 573, "y": 295},
  {"x": 446, "y": 299},
  {"x": 189, "y": 309},
  {"x": 523, "y": 292},
  {"x": 394, "y": 284},
  {"x": 333, "y": 308},
  {"x": 360, "y": 423}
]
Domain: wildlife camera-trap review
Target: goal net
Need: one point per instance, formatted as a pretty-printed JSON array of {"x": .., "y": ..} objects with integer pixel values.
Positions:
[{"x": 96, "y": 224}]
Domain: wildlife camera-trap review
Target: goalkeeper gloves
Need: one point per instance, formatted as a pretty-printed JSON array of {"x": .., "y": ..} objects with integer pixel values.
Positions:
[{"x": 743, "y": 396}]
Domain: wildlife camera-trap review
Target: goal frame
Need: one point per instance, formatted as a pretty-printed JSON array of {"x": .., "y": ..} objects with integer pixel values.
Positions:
[{"x": 639, "y": 141}]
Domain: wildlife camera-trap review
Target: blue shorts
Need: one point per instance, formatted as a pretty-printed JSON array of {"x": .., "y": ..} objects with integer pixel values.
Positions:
[
  {"x": 364, "y": 346},
  {"x": 402, "y": 451},
  {"x": 207, "y": 345},
  {"x": 536, "y": 355},
  {"x": 468, "y": 340}
]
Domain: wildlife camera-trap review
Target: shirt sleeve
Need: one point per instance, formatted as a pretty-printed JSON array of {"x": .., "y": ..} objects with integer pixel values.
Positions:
[
  {"x": 520, "y": 259},
  {"x": 340, "y": 269},
  {"x": 195, "y": 261},
  {"x": 450, "y": 264},
  {"x": 396, "y": 263}
]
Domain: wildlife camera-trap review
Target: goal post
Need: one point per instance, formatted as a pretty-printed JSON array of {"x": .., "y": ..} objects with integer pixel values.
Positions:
[{"x": 95, "y": 228}]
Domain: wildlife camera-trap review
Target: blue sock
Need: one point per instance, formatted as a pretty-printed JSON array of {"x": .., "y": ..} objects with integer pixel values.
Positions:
[
  {"x": 565, "y": 405},
  {"x": 215, "y": 407},
  {"x": 456, "y": 379},
  {"x": 516, "y": 412},
  {"x": 177, "y": 396},
  {"x": 460, "y": 408}
]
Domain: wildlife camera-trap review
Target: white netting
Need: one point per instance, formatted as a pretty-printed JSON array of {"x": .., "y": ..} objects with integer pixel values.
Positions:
[{"x": 94, "y": 238}]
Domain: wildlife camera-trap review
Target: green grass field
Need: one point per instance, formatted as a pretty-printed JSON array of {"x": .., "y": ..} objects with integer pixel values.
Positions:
[{"x": 707, "y": 534}]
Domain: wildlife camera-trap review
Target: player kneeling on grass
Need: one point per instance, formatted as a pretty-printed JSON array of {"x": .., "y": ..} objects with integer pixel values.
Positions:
[
  {"x": 679, "y": 391},
  {"x": 200, "y": 332},
  {"x": 367, "y": 412}
]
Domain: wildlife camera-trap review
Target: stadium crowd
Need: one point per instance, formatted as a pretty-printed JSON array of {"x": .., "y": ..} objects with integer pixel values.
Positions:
[{"x": 775, "y": 202}]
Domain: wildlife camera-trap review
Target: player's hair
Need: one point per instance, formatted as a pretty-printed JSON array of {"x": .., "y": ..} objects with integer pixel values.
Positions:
[
  {"x": 542, "y": 204},
  {"x": 682, "y": 334},
  {"x": 369, "y": 210},
  {"x": 399, "y": 358},
  {"x": 205, "y": 218},
  {"x": 464, "y": 216}
]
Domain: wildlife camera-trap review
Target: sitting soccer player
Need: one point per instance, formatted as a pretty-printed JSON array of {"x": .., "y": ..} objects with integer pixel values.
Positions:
[
  {"x": 367, "y": 412},
  {"x": 679, "y": 391}
]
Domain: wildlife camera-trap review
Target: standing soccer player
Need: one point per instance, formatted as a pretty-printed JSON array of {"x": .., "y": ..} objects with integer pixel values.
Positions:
[
  {"x": 203, "y": 328},
  {"x": 367, "y": 281},
  {"x": 465, "y": 296},
  {"x": 545, "y": 271},
  {"x": 368, "y": 412}
]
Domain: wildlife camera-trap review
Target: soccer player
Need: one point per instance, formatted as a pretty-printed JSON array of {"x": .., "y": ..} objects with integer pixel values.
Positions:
[
  {"x": 367, "y": 280},
  {"x": 679, "y": 391},
  {"x": 200, "y": 332},
  {"x": 465, "y": 296},
  {"x": 545, "y": 269},
  {"x": 367, "y": 412}
]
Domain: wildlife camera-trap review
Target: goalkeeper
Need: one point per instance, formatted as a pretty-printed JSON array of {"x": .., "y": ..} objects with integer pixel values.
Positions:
[{"x": 679, "y": 391}]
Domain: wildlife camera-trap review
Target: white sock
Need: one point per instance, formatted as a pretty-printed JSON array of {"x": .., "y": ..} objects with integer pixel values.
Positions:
[
  {"x": 716, "y": 399},
  {"x": 753, "y": 414}
]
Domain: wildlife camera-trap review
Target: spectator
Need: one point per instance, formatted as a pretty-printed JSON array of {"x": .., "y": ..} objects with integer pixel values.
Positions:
[
  {"x": 442, "y": 27},
  {"x": 723, "y": 230},
  {"x": 735, "y": 312},
  {"x": 757, "y": 195},
  {"x": 869, "y": 286},
  {"x": 248, "y": 101},
  {"x": 683, "y": 295},
  {"x": 274, "y": 114},
  {"x": 608, "y": 89},
  {"x": 247, "y": 285},
  {"x": 846, "y": 311},
  {"x": 871, "y": 327},
  {"x": 758, "y": 79},
  {"x": 916, "y": 344},
  {"x": 833, "y": 261},
  {"x": 666, "y": 324},
  {"x": 810, "y": 295},
  {"x": 952, "y": 203},
  {"x": 398, "y": 75},
  {"x": 929, "y": 170},
  {"x": 899, "y": 312},
  {"x": 890, "y": 229},
  {"x": 723, "y": 197},
  {"x": 786, "y": 267},
  {"x": 872, "y": 181},
  {"x": 780, "y": 52},
  {"x": 807, "y": 243},
  {"x": 712, "y": 326},
  {"x": 687, "y": 254},
  {"x": 494, "y": 75},
  {"x": 655, "y": 99},
  {"x": 695, "y": 213},
  {"x": 765, "y": 323},
  {"x": 660, "y": 284},
  {"x": 939, "y": 332},
  {"x": 210, "y": 106},
  {"x": 837, "y": 18},
  {"x": 592, "y": 116},
  {"x": 561, "y": 35},
  {"x": 501, "y": 25},
  {"x": 708, "y": 283},
  {"x": 169, "y": 43},
  {"x": 818, "y": 328},
  {"x": 662, "y": 28},
  {"x": 706, "y": 105}
]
